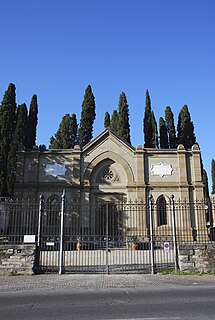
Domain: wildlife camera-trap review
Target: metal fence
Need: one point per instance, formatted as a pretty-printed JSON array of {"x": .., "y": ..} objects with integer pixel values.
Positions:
[{"x": 106, "y": 237}]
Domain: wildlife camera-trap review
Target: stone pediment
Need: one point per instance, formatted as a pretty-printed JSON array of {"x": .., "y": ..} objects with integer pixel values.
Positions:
[{"x": 110, "y": 140}]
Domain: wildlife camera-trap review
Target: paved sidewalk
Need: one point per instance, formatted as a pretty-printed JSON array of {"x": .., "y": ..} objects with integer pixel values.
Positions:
[{"x": 54, "y": 282}]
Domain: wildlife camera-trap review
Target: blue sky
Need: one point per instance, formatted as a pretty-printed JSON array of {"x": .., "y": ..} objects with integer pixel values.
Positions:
[{"x": 55, "y": 48}]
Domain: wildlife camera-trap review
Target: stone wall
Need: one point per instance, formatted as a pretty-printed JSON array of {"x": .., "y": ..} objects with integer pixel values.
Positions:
[
  {"x": 197, "y": 257},
  {"x": 17, "y": 259}
]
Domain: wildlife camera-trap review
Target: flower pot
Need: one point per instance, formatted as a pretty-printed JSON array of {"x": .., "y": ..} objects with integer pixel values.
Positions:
[{"x": 134, "y": 246}]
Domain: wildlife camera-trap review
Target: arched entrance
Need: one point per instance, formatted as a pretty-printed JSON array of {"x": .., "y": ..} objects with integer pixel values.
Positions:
[{"x": 108, "y": 190}]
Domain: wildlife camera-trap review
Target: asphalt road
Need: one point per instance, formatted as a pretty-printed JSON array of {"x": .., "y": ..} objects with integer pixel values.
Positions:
[{"x": 157, "y": 301}]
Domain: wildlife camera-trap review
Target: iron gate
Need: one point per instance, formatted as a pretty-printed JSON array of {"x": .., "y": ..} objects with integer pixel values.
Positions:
[{"x": 105, "y": 237}]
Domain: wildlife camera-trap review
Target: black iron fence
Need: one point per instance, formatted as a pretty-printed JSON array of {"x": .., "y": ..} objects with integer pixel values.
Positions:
[{"x": 106, "y": 236}]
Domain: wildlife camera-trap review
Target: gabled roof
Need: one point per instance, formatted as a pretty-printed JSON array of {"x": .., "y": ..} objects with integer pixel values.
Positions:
[{"x": 103, "y": 135}]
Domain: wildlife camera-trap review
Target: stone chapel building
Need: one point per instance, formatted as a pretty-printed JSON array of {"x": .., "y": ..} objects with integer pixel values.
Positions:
[{"x": 109, "y": 168}]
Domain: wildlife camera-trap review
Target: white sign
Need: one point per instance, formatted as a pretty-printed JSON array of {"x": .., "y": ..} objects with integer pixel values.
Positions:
[
  {"x": 161, "y": 169},
  {"x": 29, "y": 238},
  {"x": 55, "y": 169},
  {"x": 50, "y": 244},
  {"x": 166, "y": 246}
]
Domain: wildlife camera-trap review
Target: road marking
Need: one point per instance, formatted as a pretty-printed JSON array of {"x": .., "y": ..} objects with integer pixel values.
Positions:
[{"x": 159, "y": 318}]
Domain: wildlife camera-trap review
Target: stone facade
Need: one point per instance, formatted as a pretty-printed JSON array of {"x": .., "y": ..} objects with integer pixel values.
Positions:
[{"x": 110, "y": 169}]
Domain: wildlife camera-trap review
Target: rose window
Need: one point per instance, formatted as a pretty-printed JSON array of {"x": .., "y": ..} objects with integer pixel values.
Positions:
[{"x": 108, "y": 175}]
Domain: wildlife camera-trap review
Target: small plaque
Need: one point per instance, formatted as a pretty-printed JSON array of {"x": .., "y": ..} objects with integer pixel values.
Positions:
[
  {"x": 55, "y": 169},
  {"x": 29, "y": 238},
  {"x": 161, "y": 169},
  {"x": 50, "y": 244}
]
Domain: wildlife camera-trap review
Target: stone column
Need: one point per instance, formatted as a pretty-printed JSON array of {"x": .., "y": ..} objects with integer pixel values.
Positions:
[{"x": 198, "y": 196}]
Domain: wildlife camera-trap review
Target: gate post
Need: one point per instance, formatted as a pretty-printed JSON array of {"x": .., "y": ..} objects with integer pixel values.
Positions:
[
  {"x": 107, "y": 237},
  {"x": 151, "y": 235},
  {"x": 61, "y": 264},
  {"x": 174, "y": 232},
  {"x": 41, "y": 203}
]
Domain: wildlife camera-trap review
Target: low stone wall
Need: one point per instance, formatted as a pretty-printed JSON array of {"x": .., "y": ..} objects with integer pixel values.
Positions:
[
  {"x": 197, "y": 257},
  {"x": 17, "y": 259}
]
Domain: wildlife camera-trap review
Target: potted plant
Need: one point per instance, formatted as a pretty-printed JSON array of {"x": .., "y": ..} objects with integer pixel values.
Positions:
[{"x": 134, "y": 241}]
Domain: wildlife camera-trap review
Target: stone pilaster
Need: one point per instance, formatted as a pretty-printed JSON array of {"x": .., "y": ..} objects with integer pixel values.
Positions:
[
  {"x": 182, "y": 171},
  {"x": 140, "y": 174},
  {"x": 197, "y": 173}
]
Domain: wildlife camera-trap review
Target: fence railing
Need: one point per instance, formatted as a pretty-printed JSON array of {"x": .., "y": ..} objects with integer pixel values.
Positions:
[
  {"x": 150, "y": 222},
  {"x": 106, "y": 236}
]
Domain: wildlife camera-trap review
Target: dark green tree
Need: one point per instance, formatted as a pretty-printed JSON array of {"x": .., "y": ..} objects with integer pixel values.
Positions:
[
  {"x": 7, "y": 127},
  {"x": 149, "y": 125},
  {"x": 147, "y": 129},
  {"x": 115, "y": 121},
  {"x": 213, "y": 175},
  {"x": 169, "y": 118},
  {"x": 88, "y": 114},
  {"x": 74, "y": 130},
  {"x": 32, "y": 122},
  {"x": 107, "y": 120},
  {"x": 66, "y": 136},
  {"x": 54, "y": 142},
  {"x": 185, "y": 129},
  {"x": 154, "y": 131},
  {"x": 21, "y": 130},
  {"x": 19, "y": 141},
  {"x": 124, "y": 126},
  {"x": 42, "y": 147},
  {"x": 163, "y": 134},
  {"x": 205, "y": 182}
]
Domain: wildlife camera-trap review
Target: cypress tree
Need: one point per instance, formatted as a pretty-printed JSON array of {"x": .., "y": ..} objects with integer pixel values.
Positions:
[
  {"x": 124, "y": 126},
  {"x": 107, "y": 120},
  {"x": 169, "y": 118},
  {"x": 213, "y": 175},
  {"x": 20, "y": 134},
  {"x": 19, "y": 140},
  {"x": 185, "y": 129},
  {"x": 115, "y": 121},
  {"x": 66, "y": 136},
  {"x": 205, "y": 182},
  {"x": 154, "y": 131},
  {"x": 147, "y": 122},
  {"x": 32, "y": 122},
  {"x": 74, "y": 130},
  {"x": 149, "y": 125},
  {"x": 163, "y": 134},
  {"x": 85, "y": 132},
  {"x": 7, "y": 126}
]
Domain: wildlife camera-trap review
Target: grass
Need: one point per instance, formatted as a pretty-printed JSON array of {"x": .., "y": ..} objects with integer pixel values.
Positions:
[{"x": 185, "y": 273}]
